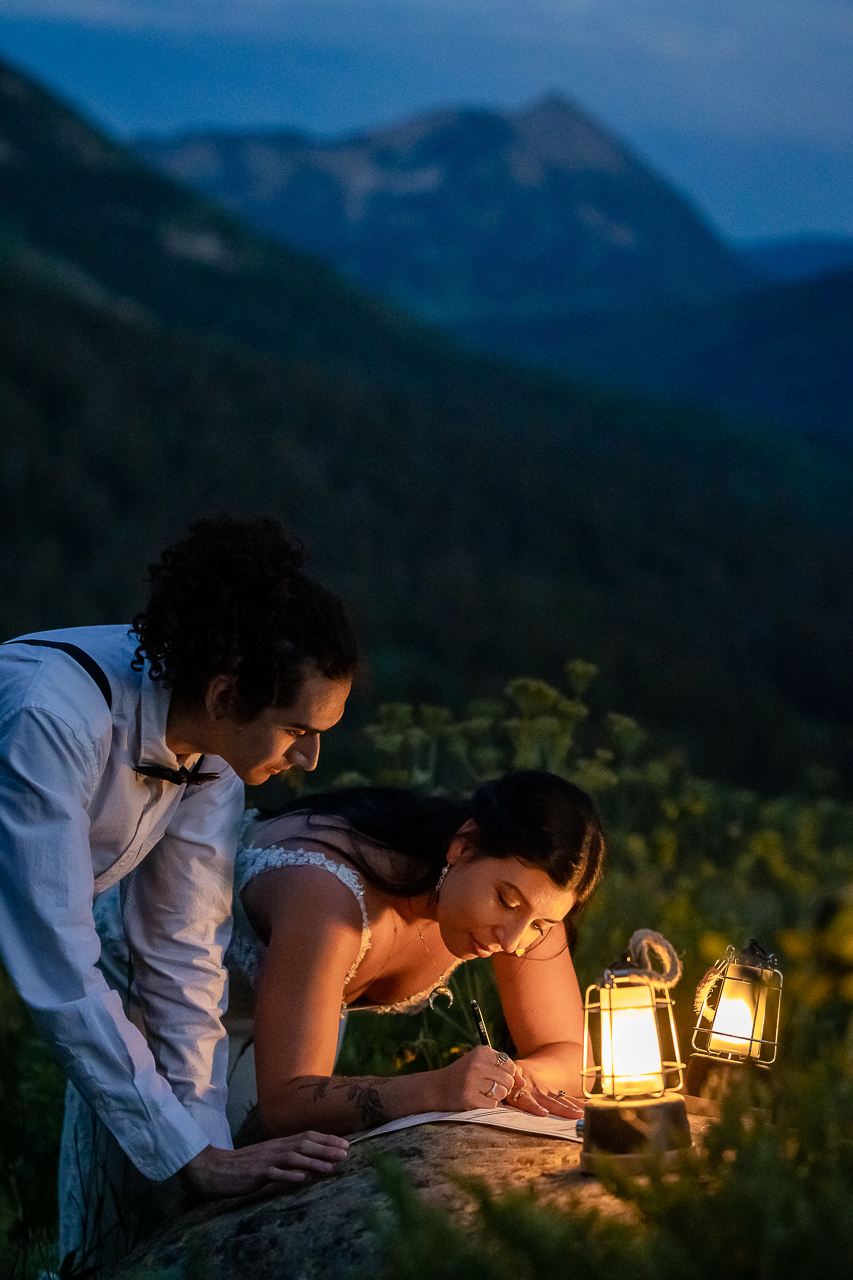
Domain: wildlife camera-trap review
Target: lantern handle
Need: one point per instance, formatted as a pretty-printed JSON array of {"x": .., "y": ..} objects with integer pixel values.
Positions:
[{"x": 644, "y": 943}]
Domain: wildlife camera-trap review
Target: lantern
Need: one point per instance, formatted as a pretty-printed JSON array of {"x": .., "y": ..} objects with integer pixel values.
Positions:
[
  {"x": 738, "y": 1004},
  {"x": 632, "y": 1108}
]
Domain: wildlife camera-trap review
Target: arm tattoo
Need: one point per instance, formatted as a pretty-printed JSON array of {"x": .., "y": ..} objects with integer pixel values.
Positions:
[
  {"x": 368, "y": 1103},
  {"x": 319, "y": 1089}
]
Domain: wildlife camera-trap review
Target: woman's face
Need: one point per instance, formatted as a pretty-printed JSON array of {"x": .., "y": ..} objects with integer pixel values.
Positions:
[{"x": 489, "y": 905}]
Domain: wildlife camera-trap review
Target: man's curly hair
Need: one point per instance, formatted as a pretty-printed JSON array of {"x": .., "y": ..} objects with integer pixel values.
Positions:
[{"x": 232, "y": 598}]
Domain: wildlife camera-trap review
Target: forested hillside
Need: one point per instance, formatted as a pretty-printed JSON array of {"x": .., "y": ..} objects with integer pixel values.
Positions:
[
  {"x": 157, "y": 361},
  {"x": 782, "y": 353}
]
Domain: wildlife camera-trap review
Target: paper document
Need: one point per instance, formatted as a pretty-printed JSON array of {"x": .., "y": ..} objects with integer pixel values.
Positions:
[{"x": 499, "y": 1118}]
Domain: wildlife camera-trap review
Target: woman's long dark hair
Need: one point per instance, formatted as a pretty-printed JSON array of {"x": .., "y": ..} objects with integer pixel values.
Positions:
[{"x": 544, "y": 821}]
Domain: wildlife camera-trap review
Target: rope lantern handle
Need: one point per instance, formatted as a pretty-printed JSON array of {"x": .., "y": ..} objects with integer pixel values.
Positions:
[{"x": 645, "y": 944}]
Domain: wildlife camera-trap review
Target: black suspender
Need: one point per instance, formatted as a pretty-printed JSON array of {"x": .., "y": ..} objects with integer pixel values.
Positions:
[
  {"x": 85, "y": 660},
  {"x": 181, "y": 776}
]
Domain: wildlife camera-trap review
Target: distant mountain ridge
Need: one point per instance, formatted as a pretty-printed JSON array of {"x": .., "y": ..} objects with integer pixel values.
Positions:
[
  {"x": 463, "y": 215},
  {"x": 797, "y": 257},
  {"x": 537, "y": 236},
  {"x": 778, "y": 353},
  {"x": 75, "y": 203}
]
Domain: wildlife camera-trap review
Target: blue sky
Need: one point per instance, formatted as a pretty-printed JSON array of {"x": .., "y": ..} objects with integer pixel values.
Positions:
[{"x": 747, "y": 105}]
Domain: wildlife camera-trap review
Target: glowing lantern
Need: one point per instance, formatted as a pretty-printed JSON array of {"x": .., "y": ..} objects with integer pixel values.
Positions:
[
  {"x": 630, "y": 1045},
  {"x": 738, "y": 1004},
  {"x": 632, "y": 1109}
]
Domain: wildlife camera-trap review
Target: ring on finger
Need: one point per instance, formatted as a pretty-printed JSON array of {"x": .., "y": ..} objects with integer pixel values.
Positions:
[
  {"x": 493, "y": 1091},
  {"x": 502, "y": 1059}
]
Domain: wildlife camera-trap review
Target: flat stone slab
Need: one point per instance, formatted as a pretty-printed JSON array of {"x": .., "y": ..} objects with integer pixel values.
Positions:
[{"x": 323, "y": 1231}]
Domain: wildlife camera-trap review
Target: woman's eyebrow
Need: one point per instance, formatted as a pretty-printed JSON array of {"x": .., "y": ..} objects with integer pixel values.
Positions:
[{"x": 515, "y": 889}]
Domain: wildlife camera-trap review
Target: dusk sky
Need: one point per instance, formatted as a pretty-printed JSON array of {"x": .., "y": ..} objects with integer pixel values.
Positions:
[{"x": 746, "y": 105}]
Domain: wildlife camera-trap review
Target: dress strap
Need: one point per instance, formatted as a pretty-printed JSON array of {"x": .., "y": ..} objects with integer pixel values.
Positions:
[
  {"x": 246, "y": 950},
  {"x": 251, "y": 861}
]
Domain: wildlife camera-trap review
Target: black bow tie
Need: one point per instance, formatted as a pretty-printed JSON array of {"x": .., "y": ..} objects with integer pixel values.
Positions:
[{"x": 180, "y": 776}]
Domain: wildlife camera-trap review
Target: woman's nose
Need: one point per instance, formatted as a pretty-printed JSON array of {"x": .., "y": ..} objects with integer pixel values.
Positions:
[
  {"x": 305, "y": 751},
  {"x": 510, "y": 935}
]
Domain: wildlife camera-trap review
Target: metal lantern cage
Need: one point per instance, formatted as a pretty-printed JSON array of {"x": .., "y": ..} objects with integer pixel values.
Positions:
[
  {"x": 630, "y": 1026},
  {"x": 739, "y": 1003}
]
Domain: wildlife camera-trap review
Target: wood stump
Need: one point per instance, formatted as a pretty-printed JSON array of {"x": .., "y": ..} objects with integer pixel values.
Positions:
[{"x": 323, "y": 1231}]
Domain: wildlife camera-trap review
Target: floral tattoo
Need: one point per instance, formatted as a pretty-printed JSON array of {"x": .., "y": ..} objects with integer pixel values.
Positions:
[{"x": 368, "y": 1103}]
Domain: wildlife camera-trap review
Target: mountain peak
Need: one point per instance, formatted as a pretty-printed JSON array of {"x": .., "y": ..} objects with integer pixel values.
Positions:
[
  {"x": 565, "y": 136},
  {"x": 464, "y": 213}
]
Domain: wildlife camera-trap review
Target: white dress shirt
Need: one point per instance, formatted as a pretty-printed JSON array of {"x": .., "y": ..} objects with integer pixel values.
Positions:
[{"x": 74, "y": 819}]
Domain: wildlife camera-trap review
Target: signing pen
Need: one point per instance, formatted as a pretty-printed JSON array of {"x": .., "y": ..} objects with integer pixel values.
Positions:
[{"x": 481, "y": 1026}]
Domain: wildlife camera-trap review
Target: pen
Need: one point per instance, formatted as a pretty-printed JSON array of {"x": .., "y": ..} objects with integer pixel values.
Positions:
[{"x": 481, "y": 1026}]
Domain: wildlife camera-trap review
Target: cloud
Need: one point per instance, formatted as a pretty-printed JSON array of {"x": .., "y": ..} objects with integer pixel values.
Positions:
[
  {"x": 667, "y": 27},
  {"x": 736, "y": 68}
]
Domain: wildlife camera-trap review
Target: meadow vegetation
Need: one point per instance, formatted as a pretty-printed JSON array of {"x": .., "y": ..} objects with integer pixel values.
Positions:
[{"x": 705, "y": 863}]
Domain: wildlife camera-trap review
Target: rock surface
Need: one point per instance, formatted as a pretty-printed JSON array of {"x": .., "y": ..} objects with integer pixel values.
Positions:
[{"x": 324, "y": 1232}]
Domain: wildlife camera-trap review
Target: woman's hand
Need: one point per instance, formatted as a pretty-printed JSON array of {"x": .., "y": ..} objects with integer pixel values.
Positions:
[
  {"x": 482, "y": 1078},
  {"x": 214, "y": 1173},
  {"x": 537, "y": 1097}
]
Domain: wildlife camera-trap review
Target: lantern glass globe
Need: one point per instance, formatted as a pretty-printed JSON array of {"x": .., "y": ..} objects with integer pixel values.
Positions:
[{"x": 630, "y": 1046}]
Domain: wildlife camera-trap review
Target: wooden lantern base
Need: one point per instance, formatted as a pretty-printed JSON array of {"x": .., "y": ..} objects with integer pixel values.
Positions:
[{"x": 631, "y": 1133}]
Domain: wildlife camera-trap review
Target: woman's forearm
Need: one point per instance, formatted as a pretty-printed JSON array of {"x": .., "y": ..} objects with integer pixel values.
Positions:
[
  {"x": 341, "y": 1104},
  {"x": 557, "y": 1066}
]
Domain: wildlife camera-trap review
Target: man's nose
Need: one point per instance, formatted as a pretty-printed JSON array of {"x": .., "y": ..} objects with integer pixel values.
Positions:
[{"x": 305, "y": 751}]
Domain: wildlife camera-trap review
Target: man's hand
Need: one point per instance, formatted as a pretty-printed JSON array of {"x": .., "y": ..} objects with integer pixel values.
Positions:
[{"x": 214, "y": 1173}]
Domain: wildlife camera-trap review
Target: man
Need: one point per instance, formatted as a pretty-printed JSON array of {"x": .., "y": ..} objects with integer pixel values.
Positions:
[{"x": 122, "y": 759}]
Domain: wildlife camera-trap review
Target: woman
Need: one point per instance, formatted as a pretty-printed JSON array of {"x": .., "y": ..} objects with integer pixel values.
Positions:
[{"x": 370, "y": 898}]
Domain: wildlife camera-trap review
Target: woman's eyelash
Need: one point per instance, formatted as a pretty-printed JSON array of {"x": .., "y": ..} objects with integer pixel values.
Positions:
[{"x": 513, "y": 906}]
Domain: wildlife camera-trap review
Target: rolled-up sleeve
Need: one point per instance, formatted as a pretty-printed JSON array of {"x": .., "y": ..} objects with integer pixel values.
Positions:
[
  {"x": 177, "y": 921},
  {"x": 50, "y": 947}
]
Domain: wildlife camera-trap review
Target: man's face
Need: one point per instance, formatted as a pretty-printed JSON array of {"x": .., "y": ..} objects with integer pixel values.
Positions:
[{"x": 280, "y": 737}]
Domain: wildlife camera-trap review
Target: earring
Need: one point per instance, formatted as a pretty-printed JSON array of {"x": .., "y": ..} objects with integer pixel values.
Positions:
[
  {"x": 519, "y": 951},
  {"x": 440, "y": 882}
]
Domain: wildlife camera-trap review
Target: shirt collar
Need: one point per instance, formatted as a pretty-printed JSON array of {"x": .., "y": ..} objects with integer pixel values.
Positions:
[{"x": 154, "y": 704}]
